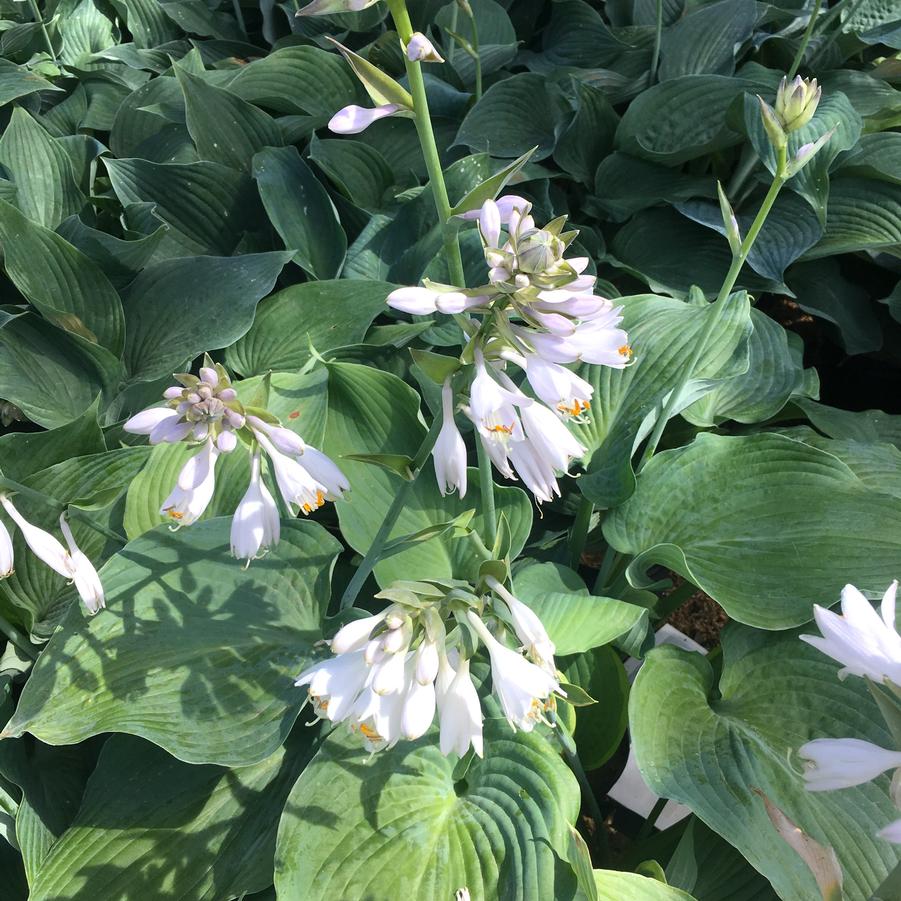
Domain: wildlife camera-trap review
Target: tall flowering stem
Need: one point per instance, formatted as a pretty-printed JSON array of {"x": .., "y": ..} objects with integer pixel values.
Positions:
[
  {"x": 423, "y": 120},
  {"x": 739, "y": 256}
]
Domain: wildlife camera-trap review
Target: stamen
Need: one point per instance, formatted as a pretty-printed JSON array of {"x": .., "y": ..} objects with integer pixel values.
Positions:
[{"x": 625, "y": 351}]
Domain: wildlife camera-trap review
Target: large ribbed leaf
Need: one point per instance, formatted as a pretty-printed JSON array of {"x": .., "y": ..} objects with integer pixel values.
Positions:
[
  {"x": 194, "y": 652},
  {"x": 766, "y": 525},
  {"x": 714, "y": 751},
  {"x": 662, "y": 333},
  {"x": 152, "y": 826},
  {"x": 318, "y": 316},
  {"x": 397, "y": 824},
  {"x": 67, "y": 288}
]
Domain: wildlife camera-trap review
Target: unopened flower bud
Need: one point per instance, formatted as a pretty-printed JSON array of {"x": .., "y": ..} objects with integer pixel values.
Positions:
[
  {"x": 796, "y": 102},
  {"x": 538, "y": 250},
  {"x": 772, "y": 125},
  {"x": 421, "y": 49}
]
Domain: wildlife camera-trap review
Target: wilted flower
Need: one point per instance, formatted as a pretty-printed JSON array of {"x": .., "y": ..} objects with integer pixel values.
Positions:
[
  {"x": 835, "y": 763},
  {"x": 865, "y": 643},
  {"x": 796, "y": 102}
]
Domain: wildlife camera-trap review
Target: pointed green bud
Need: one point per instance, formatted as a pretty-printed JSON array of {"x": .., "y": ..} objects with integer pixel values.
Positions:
[
  {"x": 805, "y": 153},
  {"x": 796, "y": 102},
  {"x": 733, "y": 234},
  {"x": 773, "y": 126}
]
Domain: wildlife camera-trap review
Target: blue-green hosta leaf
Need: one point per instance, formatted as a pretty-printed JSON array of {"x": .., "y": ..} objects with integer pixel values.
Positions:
[
  {"x": 67, "y": 288},
  {"x": 513, "y": 116},
  {"x": 300, "y": 210},
  {"x": 681, "y": 119},
  {"x": 193, "y": 833},
  {"x": 208, "y": 206},
  {"x": 84, "y": 30},
  {"x": 497, "y": 37},
  {"x": 45, "y": 371},
  {"x": 359, "y": 171},
  {"x": 863, "y": 214},
  {"x": 712, "y": 751},
  {"x": 773, "y": 376},
  {"x": 626, "y": 402},
  {"x": 46, "y": 190},
  {"x": 371, "y": 411},
  {"x": 299, "y": 80},
  {"x": 197, "y": 17},
  {"x": 140, "y": 131},
  {"x": 225, "y": 128},
  {"x": 764, "y": 524},
  {"x": 193, "y": 653},
  {"x": 865, "y": 426},
  {"x": 147, "y": 21},
  {"x": 315, "y": 315},
  {"x": 397, "y": 824},
  {"x": 874, "y": 156},
  {"x": 704, "y": 41},
  {"x": 18, "y": 81},
  {"x": 179, "y": 308}
]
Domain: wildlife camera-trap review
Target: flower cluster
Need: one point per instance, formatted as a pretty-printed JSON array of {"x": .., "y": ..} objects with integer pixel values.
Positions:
[
  {"x": 71, "y": 564},
  {"x": 868, "y": 646},
  {"x": 392, "y": 671},
  {"x": 538, "y": 312},
  {"x": 204, "y": 410}
]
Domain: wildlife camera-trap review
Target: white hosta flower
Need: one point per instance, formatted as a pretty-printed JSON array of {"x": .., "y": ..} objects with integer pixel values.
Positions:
[
  {"x": 550, "y": 439},
  {"x": 490, "y": 223},
  {"x": 449, "y": 453},
  {"x": 6, "y": 552},
  {"x": 334, "y": 684},
  {"x": 42, "y": 544},
  {"x": 297, "y": 486},
  {"x": 389, "y": 676},
  {"x": 323, "y": 469},
  {"x": 536, "y": 472},
  {"x": 522, "y": 687},
  {"x": 460, "y": 712},
  {"x": 355, "y": 635},
  {"x": 596, "y": 341},
  {"x": 563, "y": 391},
  {"x": 421, "y": 49},
  {"x": 421, "y": 301},
  {"x": 284, "y": 440},
  {"x": 82, "y": 572},
  {"x": 255, "y": 526},
  {"x": 891, "y": 833},
  {"x": 418, "y": 710},
  {"x": 353, "y": 119},
  {"x": 865, "y": 643},
  {"x": 835, "y": 763},
  {"x": 492, "y": 406},
  {"x": 160, "y": 423},
  {"x": 529, "y": 628},
  {"x": 194, "y": 490}
]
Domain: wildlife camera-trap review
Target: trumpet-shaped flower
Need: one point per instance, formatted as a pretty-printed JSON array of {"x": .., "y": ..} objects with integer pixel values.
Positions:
[
  {"x": 866, "y": 643},
  {"x": 333, "y": 685},
  {"x": 549, "y": 438},
  {"x": 418, "y": 709},
  {"x": 82, "y": 572},
  {"x": 835, "y": 763},
  {"x": 194, "y": 490},
  {"x": 42, "y": 544},
  {"x": 492, "y": 407},
  {"x": 449, "y": 453},
  {"x": 522, "y": 687},
  {"x": 284, "y": 440},
  {"x": 529, "y": 628},
  {"x": 354, "y": 636},
  {"x": 323, "y": 469},
  {"x": 255, "y": 526},
  {"x": 297, "y": 486},
  {"x": 6, "y": 552},
  {"x": 566, "y": 393},
  {"x": 460, "y": 713}
]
